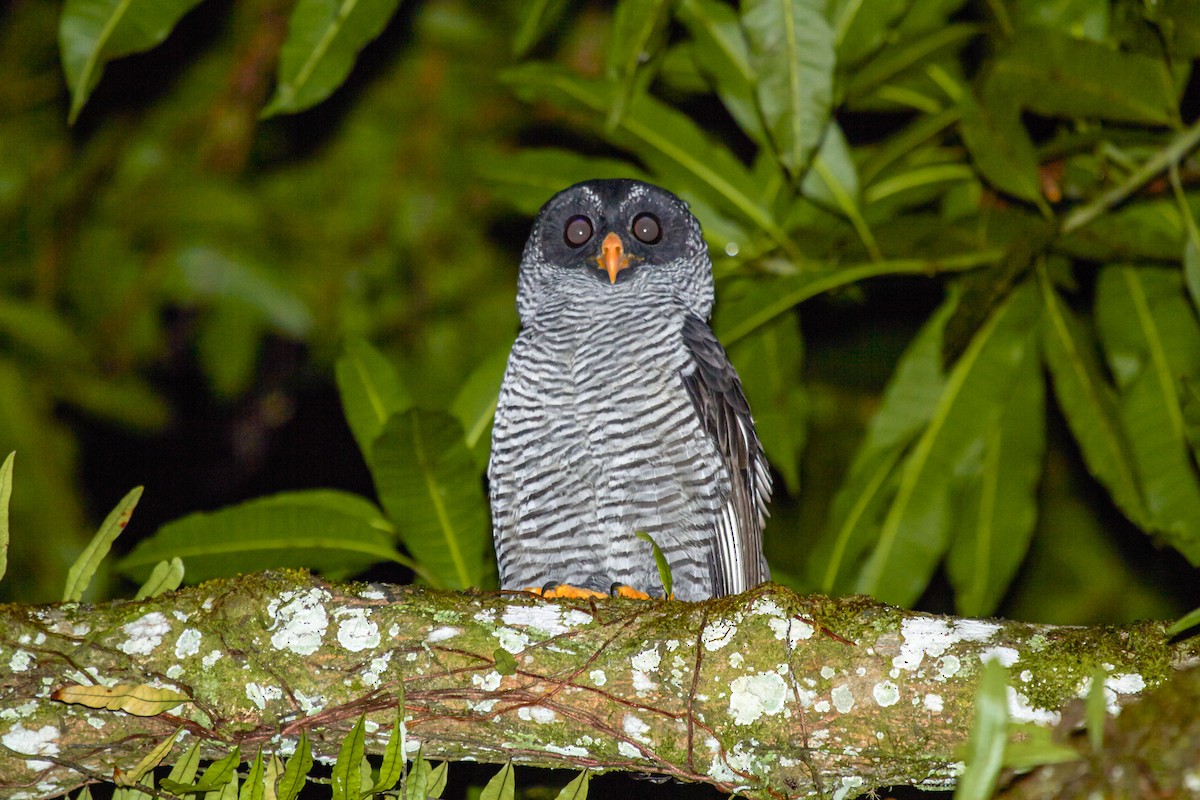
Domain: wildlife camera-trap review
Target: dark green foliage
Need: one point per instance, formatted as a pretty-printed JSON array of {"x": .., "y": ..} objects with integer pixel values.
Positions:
[{"x": 1030, "y": 164}]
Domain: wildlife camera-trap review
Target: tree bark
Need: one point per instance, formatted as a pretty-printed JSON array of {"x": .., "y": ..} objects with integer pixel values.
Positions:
[{"x": 767, "y": 693}]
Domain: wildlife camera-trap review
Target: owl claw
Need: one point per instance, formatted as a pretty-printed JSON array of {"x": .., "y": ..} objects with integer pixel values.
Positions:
[{"x": 556, "y": 590}]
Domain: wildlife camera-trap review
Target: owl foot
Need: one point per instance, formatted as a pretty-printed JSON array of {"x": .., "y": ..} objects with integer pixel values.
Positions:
[
  {"x": 623, "y": 590},
  {"x": 554, "y": 590}
]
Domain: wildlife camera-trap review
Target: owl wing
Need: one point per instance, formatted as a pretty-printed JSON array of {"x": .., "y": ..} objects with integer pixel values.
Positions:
[{"x": 717, "y": 396}]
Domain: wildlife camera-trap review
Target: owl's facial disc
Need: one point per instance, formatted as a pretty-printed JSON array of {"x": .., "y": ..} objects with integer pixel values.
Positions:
[{"x": 612, "y": 258}]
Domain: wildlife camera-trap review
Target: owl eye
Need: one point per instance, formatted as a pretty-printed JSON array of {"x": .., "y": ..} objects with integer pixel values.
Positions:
[
  {"x": 647, "y": 228},
  {"x": 578, "y": 231}
]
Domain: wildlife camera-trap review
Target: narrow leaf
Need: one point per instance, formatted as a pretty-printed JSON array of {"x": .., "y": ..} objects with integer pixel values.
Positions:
[
  {"x": 416, "y": 787},
  {"x": 664, "y": 566},
  {"x": 392, "y": 768},
  {"x": 165, "y": 577},
  {"x": 577, "y": 789},
  {"x": 721, "y": 52},
  {"x": 6, "y": 473},
  {"x": 295, "y": 774},
  {"x": 475, "y": 404},
  {"x": 324, "y": 38},
  {"x": 502, "y": 786},
  {"x": 370, "y": 390},
  {"x": 833, "y": 183},
  {"x": 1097, "y": 710},
  {"x": 989, "y": 734},
  {"x": 437, "y": 780},
  {"x": 215, "y": 779},
  {"x": 537, "y": 18},
  {"x": 152, "y": 759},
  {"x": 336, "y": 532},
  {"x": 93, "y": 32},
  {"x": 254, "y": 787},
  {"x": 1001, "y": 148},
  {"x": 346, "y": 777},
  {"x": 636, "y": 30},
  {"x": 79, "y": 577},
  {"x": 429, "y": 484},
  {"x": 1188, "y": 620},
  {"x": 141, "y": 700},
  {"x": 1089, "y": 402},
  {"x": 791, "y": 48},
  {"x": 184, "y": 770}
]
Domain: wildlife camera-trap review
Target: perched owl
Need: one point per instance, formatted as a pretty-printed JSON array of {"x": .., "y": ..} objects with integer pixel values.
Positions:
[{"x": 620, "y": 411}]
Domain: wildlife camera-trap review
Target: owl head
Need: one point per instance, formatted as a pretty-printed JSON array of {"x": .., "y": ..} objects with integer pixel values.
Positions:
[{"x": 615, "y": 241}]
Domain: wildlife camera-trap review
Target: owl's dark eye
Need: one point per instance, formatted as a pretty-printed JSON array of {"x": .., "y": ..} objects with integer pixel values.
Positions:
[
  {"x": 647, "y": 228},
  {"x": 578, "y": 231}
]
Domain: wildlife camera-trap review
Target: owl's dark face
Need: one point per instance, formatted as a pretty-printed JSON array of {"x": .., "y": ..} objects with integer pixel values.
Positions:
[{"x": 604, "y": 239}]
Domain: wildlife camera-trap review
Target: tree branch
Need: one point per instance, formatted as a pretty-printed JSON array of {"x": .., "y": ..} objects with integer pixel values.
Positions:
[{"x": 767, "y": 693}]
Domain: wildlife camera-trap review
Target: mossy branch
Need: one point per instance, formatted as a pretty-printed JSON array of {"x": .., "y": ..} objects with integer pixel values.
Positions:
[{"x": 767, "y": 693}]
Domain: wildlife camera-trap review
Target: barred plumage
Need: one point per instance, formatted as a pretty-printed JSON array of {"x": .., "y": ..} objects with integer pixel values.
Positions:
[{"x": 620, "y": 411}]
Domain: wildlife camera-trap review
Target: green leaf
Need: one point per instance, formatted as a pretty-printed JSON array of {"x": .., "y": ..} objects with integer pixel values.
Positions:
[
  {"x": 151, "y": 759},
  {"x": 1056, "y": 75},
  {"x": 93, "y": 32},
  {"x": 1001, "y": 148},
  {"x": 324, "y": 38},
  {"x": 1031, "y": 745},
  {"x": 637, "y": 30},
  {"x": 334, "y": 531},
  {"x": 184, "y": 770},
  {"x": 720, "y": 51},
  {"x": 346, "y": 776},
  {"x": 1188, "y": 620},
  {"x": 537, "y": 18},
  {"x": 860, "y": 29},
  {"x": 1097, "y": 711},
  {"x": 918, "y": 520},
  {"x": 1089, "y": 403},
  {"x": 215, "y": 778},
  {"x": 769, "y": 362},
  {"x": 84, "y": 569},
  {"x": 677, "y": 148},
  {"x": 505, "y": 663},
  {"x": 833, "y": 183},
  {"x": 1191, "y": 270},
  {"x": 997, "y": 506},
  {"x": 392, "y": 767},
  {"x": 6, "y": 473},
  {"x": 910, "y": 54},
  {"x": 989, "y": 734},
  {"x": 295, "y": 774},
  {"x": 577, "y": 789},
  {"x": 768, "y": 297},
  {"x": 417, "y": 784},
  {"x": 664, "y": 566},
  {"x": 1081, "y": 19},
  {"x": 371, "y": 392},
  {"x": 531, "y": 176},
  {"x": 254, "y": 788},
  {"x": 475, "y": 404},
  {"x": 227, "y": 276},
  {"x": 429, "y": 484},
  {"x": 437, "y": 780},
  {"x": 502, "y": 786},
  {"x": 906, "y": 407},
  {"x": 165, "y": 577},
  {"x": 1152, "y": 341},
  {"x": 791, "y": 48}
]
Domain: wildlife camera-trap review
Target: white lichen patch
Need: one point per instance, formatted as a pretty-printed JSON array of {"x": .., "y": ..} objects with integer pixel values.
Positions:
[
  {"x": 647, "y": 660},
  {"x": 96, "y": 723},
  {"x": 30, "y": 742},
  {"x": 261, "y": 695},
  {"x": 672, "y": 645},
  {"x": 539, "y": 714},
  {"x": 643, "y": 684},
  {"x": 1191, "y": 780},
  {"x": 933, "y": 636},
  {"x": 372, "y": 594},
  {"x": 843, "y": 698},
  {"x": 635, "y": 728},
  {"x": 144, "y": 634},
  {"x": 1020, "y": 710},
  {"x": 511, "y": 639},
  {"x": 933, "y": 703},
  {"x": 1123, "y": 683},
  {"x": 299, "y": 621},
  {"x": 828, "y": 672},
  {"x": 81, "y": 629},
  {"x": 821, "y": 706},
  {"x": 948, "y": 667},
  {"x": 736, "y": 660},
  {"x": 18, "y": 712},
  {"x": 213, "y": 657},
  {"x": 886, "y": 693},
  {"x": 848, "y": 787},
  {"x": 792, "y": 629},
  {"x": 489, "y": 682},
  {"x": 716, "y": 635},
  {"x": 20, "y": 661},
  {"x": 597, "y": 677},
  {"x": 628, "y": 750},
  {"x": 356, "y": 631},
  {"x": 442, "y": 634},
  {"x": 549, "y": 619},
  {"x": 482, "y": 706},
  {"x": 373, "y": 675},
  {"x": 752, "y": 696},
  {"x": 175, "y": 671},
  {"x": 572, "y": 750},
  {"x": 1005, "y": 655},
  {"x": 188, "y": 643},
  {"x": 1026, "y": 676}
]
